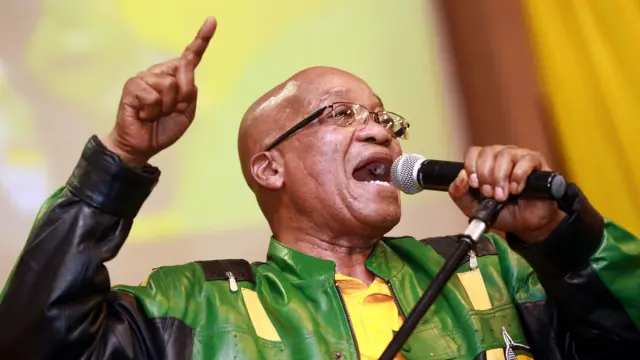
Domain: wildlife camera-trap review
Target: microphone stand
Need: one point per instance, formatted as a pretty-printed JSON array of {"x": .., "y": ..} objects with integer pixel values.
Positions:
[{"x": 480, "y": 221}]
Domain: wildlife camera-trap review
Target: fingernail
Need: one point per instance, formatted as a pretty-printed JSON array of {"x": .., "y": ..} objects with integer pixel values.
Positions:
[
  {"x": 499, "y": 193},
  {"x": 487, "y": 190},
  {"x": 514, "y": 188},
  {"x": 473, "y": 180}
]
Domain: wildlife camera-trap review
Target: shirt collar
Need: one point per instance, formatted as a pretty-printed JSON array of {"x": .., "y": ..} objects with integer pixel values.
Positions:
[{"x": 383, "y": 261}]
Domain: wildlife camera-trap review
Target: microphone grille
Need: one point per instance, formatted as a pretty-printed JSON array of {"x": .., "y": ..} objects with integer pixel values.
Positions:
[{"x": 403, "y": 174}]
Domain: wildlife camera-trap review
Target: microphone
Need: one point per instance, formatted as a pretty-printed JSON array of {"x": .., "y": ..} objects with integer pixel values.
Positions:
[{"x": 412, "y": 173}]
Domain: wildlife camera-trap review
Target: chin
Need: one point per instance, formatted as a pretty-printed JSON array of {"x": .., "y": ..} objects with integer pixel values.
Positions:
[
  {"x": 382, "y": 220},
  {"x": 375, "y": 206}
]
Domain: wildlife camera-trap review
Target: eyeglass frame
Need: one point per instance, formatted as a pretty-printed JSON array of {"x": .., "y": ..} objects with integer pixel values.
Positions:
[{"x": 318, "y": 113}]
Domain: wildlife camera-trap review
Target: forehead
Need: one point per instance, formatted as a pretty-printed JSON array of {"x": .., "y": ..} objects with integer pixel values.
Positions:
[{"x": 343, "y": 87}]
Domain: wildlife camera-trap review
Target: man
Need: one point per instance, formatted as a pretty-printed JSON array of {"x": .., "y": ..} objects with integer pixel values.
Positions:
[{"x": 332, "y": 287}]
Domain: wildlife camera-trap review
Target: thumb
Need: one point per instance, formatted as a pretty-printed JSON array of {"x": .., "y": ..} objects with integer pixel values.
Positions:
[{"x": 459, "y": 193}]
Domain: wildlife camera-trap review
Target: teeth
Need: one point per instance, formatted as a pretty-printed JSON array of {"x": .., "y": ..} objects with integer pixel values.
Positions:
[
  {"x": 379, "y": 182},
  {"x": 379, "y": 169}
]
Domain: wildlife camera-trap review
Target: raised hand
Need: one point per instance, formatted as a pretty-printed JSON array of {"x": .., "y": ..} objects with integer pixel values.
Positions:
[
  {"x": 499, "y": 171},
  {"x": 158, "y": 105}
]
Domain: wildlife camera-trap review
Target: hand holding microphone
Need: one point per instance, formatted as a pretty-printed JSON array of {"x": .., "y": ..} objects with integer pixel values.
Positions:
[
  {"x": 412, "y": 173},
  {"x": 500, "y": 172}
]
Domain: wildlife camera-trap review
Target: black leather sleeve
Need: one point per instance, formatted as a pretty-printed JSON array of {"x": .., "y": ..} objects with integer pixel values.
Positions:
[
  {"x": 583, "y": 315},
  {"x": 57, "y": 304}
]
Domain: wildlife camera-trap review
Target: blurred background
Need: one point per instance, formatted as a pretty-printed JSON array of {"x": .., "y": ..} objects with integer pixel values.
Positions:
[{"x": 559, "y": 77}]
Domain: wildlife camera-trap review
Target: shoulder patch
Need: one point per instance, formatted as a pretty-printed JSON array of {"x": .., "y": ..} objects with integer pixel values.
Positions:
[
  {"x": 218, "y": 269},
  {"x": 445, "y": 245}
]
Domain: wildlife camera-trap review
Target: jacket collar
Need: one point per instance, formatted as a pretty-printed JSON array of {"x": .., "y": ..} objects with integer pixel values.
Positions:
[{"x": 383, "y": 261}]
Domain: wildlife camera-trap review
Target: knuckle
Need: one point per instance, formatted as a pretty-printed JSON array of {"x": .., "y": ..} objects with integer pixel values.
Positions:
[
  {"x": 471, "y": 155},
  {"x": 485, "y": 154},
  {"x": 154, "y": 98},
  {"x": 169, "y": 82},
  {"x": 519, "y": 175},
  {"x": 163, "y": 67},
  {"x": 474, "y": 150},
  {"x": 506, "y": 152},
  {"x": 485, "y": 175},
  {"x": 132, "y": 82},
  {"x": 520, "y": 172},
  {"x": 190, "y": 92},
  {"x": 501, "y": 149},
  {"x": 531, "y": 157}
]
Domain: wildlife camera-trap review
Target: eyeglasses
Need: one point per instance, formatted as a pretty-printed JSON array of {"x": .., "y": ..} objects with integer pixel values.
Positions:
[{"x": 346, "y": 114}]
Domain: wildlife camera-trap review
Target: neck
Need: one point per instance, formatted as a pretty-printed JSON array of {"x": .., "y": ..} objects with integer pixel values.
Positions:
[{"x": 348, "y": 252}]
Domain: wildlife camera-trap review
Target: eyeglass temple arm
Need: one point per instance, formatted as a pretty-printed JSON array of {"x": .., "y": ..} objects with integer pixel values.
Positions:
[{"x": 297, "y": 127}]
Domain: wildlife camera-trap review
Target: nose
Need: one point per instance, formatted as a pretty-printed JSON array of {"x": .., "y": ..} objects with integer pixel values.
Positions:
[{"x": 374, "y": 133}]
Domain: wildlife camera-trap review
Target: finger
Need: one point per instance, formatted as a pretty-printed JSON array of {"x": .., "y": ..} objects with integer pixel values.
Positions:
[
  {"x": 460, "y": 185},
  {"x": 470, "y": 160},
  {"x": 193, "y": 53},
  {"x": 186, "y": 83},
  {"x": 484, "y": 168},
  {"x": 184, "y": 76},
  {"x": 142, "y": 97},
  {"x": 505, "y": 160},
  {"x": 459, "y": 193},
  {"x": 168, "y": 67},
  {"x": 523, "y": 168},
  {"x": 166, "y": 86}
]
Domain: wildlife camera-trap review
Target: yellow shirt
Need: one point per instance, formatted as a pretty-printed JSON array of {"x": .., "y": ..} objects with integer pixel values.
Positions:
[{"x": 373, "y": 313}]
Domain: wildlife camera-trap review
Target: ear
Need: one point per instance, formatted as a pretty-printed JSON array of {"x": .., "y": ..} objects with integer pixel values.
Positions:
[{"x": 267, "y": 170}]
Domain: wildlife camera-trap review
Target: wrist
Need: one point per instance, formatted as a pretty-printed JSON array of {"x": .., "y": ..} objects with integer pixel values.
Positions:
[
  {"x": 102, "y": 180},
  {"x": 540, "y": 234},
  {"x": 111, "y": 143}
]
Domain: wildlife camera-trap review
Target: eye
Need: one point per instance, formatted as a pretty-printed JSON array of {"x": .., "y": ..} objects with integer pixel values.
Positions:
[
  {"x": 342, "y": 115},
  {"x": 394, "y": 123},
  {"x": 386, "y": 120}
]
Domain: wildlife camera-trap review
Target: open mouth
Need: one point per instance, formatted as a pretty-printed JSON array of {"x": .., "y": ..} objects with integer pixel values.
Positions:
[{"x": 375, "y": 172}]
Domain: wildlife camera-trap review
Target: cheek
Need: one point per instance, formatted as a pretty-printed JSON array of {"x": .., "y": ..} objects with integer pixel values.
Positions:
[
  {"x": 328, "y": 150},
  {"x": 327, "y": 169},
  {"x": 396, "y": 149},
  {"x": 317, "y": 163}
]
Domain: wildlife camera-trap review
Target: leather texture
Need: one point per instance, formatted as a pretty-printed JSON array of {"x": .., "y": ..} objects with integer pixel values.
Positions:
[
  {"x": 217, "y": 270},
  {"x": 568, "y": 297}
]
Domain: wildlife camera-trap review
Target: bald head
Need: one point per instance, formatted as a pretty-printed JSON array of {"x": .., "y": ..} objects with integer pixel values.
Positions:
[
  {"x": 284, "y": 105},
  {"x": 319, "y": 179}
]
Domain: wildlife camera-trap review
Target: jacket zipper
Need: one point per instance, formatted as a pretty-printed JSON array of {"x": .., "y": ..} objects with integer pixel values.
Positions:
[
  {"x": 395, "y": 300},
  {"x": 393, "y": 295},
  {"x": 233, "y": 284},
  {"x": 346, "y": 312}
]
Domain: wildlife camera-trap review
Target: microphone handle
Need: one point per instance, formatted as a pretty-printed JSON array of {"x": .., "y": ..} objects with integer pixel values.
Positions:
[{"x": 438, "y": 175}]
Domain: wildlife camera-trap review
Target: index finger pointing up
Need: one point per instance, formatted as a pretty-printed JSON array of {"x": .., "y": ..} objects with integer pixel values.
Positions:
[{"x": 193, "y": 53}]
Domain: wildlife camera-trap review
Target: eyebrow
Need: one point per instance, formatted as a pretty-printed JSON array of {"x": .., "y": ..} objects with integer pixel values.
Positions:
[{"x": 342, "y": 92}]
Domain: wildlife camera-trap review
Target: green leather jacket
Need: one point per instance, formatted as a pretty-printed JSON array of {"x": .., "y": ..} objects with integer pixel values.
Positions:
[{"x": 572, "y": 296}]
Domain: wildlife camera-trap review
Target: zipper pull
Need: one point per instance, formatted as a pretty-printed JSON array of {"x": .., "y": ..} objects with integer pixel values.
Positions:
[
  {"x": 233, "y": 284},
  {"x": 473, "y": 260}
]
